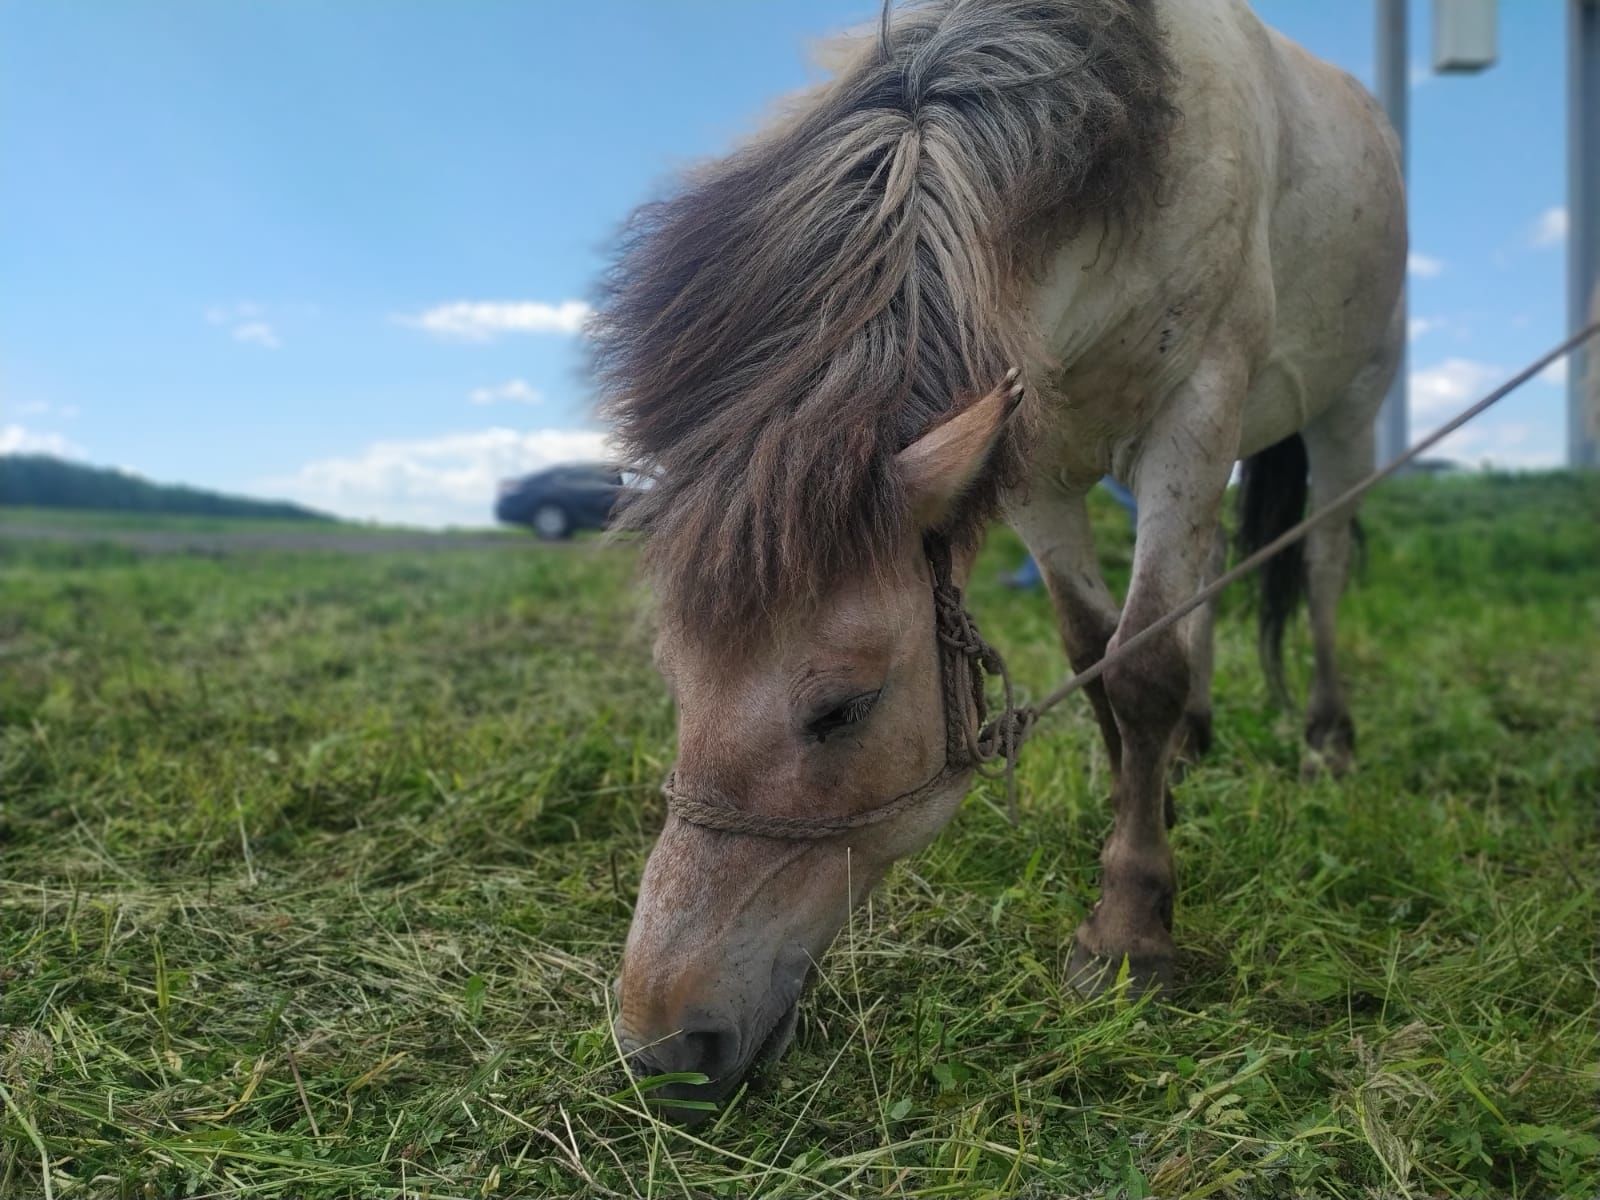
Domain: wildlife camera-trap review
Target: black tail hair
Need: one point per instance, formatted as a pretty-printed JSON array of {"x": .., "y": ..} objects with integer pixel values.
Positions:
[{"x": 1272, "y": 497}]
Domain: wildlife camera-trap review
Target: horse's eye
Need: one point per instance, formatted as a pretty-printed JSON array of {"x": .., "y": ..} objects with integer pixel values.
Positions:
[{"x": 841, "y": 716}]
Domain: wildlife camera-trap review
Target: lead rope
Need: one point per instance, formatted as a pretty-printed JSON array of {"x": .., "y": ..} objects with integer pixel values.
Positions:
[
  {"x": 1002, "y": 738},
  {"x": 974, "y": 742},
  {"x": 1295, "y": 532}
]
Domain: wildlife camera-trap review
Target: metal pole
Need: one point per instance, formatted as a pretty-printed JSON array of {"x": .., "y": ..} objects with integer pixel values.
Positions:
[
  {"x": 1583, "y": 216},
  {"x": 1393, "y": 91}
]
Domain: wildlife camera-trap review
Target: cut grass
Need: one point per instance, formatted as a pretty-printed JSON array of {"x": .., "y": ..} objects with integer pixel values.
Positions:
[{"x": 316, "y": 870}]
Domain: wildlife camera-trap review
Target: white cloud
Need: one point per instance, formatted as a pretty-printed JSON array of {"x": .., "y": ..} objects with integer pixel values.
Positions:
[
  {"x": 15, "y": 439},
  {"x": 247, "y": 322},
  {"x": 447, "y": 480},
  {"x": 1424, "y": 266},
  {"x": 257, "y": 333},
  {"x": 1555, "y": 373},
  {"x": 1438, "y": 390},
  {"x": 227, "y": 314},
  {"x": 1550, "y": 229},
  {"x": 512, "y": 391},
  {"x": 1422, "y": 326},
  {"x": 483, "y": 320},
  {"x": 1510, "y": 445}
]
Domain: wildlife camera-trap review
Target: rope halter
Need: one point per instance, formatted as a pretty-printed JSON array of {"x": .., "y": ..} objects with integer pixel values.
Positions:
[{"x": 971, "y": 743}]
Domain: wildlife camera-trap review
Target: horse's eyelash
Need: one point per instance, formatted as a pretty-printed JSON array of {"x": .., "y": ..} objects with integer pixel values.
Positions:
[
  {"x": 842, "y": 716},
  {"x": 858, "y": 707}
]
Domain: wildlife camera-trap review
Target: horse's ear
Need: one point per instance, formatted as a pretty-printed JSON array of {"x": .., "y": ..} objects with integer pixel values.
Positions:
[{"x": 942, "y": 463}]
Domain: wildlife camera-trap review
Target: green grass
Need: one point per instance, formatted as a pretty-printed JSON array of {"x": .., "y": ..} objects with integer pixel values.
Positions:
[{"x": 316, "y": 869}]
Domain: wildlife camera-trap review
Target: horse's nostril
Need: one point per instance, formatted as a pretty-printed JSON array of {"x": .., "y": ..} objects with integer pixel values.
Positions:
[
  {"x": 711, "y": 1048},
  {"x": 712, "y": 1052}
]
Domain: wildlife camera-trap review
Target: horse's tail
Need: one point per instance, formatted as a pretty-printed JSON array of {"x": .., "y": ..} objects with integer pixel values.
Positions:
[{"x": 1272, "y": 497}]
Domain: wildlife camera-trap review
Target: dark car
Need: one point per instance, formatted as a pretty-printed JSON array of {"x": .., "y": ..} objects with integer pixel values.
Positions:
[{"x": 558, "y": 502}]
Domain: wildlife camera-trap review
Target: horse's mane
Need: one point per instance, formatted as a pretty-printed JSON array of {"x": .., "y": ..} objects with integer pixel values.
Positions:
[{"x": 771, "y": 335}]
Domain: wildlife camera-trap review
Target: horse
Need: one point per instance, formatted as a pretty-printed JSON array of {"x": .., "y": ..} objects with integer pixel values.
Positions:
[{"x": 1009, "y": 247}]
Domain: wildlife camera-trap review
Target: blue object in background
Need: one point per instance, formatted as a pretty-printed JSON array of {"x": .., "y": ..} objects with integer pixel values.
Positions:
[
  {"x": 1028, "y": 576},
  {"x": 1025, "y": 576},
  {"x": 1123, "y": 497}
]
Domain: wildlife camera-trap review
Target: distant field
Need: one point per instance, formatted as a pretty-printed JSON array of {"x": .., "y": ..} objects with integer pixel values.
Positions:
[
  {"x": 314, "y": 871},
  {"x": 13, "y": 516},
  {"x": 166, "y": 533},
  {"x": 18, "y": 516}
]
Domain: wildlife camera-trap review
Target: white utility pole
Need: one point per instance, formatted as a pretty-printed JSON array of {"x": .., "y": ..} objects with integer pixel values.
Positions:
[{"x": 1583, "y": 217}]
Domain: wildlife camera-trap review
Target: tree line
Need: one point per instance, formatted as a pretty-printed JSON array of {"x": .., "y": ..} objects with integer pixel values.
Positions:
[{"x": 41, "y": 481}]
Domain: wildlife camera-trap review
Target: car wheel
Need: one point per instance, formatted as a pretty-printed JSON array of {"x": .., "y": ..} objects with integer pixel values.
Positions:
[{"x": 550, "y": 521}]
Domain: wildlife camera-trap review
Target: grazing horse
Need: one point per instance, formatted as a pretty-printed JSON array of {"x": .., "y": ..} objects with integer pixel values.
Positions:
[{"x": 1188, "y": 234}]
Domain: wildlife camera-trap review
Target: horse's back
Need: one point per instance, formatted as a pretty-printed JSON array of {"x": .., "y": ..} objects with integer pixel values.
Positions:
[
  {"x": 1281, "y": 233},
  {"x": 1338, "y": 245},
  {"x": 1323, "y": 203}
]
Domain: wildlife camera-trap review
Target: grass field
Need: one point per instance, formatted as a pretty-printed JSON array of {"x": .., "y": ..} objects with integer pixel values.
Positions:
[{"x": 314, "y": 871}]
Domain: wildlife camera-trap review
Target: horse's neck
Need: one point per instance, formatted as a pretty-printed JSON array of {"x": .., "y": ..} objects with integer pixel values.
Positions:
[
  {"x": 1110, "y": 280},
  {"x": 1119, "y": 304}
]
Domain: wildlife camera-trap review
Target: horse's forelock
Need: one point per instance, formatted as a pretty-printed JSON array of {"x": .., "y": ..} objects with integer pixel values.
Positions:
[{"x": 775, "y": 332}]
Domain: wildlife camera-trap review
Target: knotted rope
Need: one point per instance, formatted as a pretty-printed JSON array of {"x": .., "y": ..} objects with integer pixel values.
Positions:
[
  {"x": 975, "y": 742},
  {"x": 966, "y": 661}
]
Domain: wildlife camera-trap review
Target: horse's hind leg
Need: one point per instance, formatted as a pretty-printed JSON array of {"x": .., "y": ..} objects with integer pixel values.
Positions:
[{"x": 1339, "y": 448}]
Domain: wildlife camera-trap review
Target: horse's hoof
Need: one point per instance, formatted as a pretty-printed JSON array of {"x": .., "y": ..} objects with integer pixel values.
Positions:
[
  {"x": 1092, "y": 974},
  {"x": 1330, "y": 747},
  {"x": 1329, "y": 761}
]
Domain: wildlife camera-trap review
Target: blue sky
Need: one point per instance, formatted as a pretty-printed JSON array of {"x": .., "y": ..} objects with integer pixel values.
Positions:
[{"x": 339, "y": 252}]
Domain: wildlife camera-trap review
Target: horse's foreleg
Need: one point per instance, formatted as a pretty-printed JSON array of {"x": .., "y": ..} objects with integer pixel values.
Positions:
[
  {"x": 1055, "y": 525},
  {"x": 1181, "y": 474}
]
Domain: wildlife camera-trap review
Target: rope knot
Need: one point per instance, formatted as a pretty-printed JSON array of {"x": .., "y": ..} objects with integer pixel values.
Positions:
[
  {"x": 971, "y": 735},
  {"x": 959, "y": 631},
  {"x": 1003, "y": 736}
]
